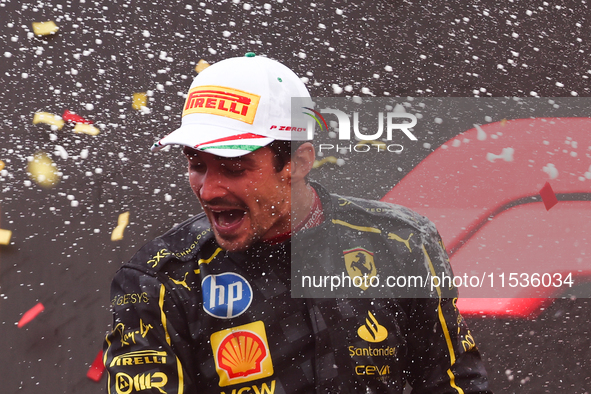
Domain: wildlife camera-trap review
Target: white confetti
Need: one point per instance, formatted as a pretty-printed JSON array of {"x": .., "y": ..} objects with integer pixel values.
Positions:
[
  {"x": 551, "y": 170},
  {"x": 480, "y": 134},
  {"x": 337, "y": 89},
  {"x": 506, "y": 154}
]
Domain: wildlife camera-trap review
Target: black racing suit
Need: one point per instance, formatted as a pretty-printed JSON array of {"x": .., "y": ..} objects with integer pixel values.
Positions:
[{"x": 190, "y": 317}]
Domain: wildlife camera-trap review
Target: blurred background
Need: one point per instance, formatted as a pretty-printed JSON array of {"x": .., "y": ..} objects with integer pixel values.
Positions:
[{"x": 61, "y": 253}]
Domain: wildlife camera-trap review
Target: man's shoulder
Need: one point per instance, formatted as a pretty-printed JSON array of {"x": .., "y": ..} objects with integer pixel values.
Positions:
[
  {"x": 180, "y": 244},
  {"x": 380, "y": 212}
]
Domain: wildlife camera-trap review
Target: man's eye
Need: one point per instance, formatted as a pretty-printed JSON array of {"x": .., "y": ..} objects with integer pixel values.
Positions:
[
  {"x": 233, "y": 168},
  {"x": 235, "y": 171},
  {"x": 196, "y": 165}
]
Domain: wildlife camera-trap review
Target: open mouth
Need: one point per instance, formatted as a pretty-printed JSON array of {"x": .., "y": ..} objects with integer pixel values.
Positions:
[{"x": 228, "y": 219}]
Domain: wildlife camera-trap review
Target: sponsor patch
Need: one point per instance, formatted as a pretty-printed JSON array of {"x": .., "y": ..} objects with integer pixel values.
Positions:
[
  {"x": 222, "y": 101},
  {"x": 140, "y": 357},
  {"x": 226, "y": 295},
  {"x": 242, "y": 354},
  {"x": 360, "y": 263},
  {"x": 126, "y": 384},
  {"x": 372, "y": 331}
]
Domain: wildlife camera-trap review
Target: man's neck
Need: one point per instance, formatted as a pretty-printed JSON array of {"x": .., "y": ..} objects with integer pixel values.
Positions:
[
  {"x": 301, "y": 205},
  {"x": 313, "y": 218}
]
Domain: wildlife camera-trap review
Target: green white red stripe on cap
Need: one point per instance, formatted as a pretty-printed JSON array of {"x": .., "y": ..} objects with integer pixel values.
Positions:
[{"x": 240, "y": 143}]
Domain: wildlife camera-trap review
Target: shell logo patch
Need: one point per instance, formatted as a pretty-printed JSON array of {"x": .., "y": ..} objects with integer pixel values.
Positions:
[{"x": 242, "y": 354}]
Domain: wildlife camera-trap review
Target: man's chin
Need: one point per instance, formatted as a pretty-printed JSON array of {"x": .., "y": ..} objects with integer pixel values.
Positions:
[{"x": 237, "y": 244}]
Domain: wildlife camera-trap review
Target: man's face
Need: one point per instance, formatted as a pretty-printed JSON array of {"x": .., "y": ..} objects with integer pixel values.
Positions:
[{"x": 245, "y": 198}]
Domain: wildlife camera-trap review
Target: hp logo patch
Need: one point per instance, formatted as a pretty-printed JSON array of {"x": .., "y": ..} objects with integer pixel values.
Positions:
[{"x": 226, "y": 295}]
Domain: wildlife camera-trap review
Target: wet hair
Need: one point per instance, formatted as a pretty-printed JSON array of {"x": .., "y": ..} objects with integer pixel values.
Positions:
[{"x": 282, "y": 152}]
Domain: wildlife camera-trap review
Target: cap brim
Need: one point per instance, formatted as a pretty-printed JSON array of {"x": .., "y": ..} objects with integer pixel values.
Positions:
[{"x": 219, "y": 141}]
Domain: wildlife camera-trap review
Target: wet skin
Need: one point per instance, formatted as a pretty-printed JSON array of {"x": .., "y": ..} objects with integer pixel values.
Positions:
[{"x": 245, "y": 198}]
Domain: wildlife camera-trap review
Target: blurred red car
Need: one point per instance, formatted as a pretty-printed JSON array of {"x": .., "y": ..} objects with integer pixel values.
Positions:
[{"x": 482, "y": 190}]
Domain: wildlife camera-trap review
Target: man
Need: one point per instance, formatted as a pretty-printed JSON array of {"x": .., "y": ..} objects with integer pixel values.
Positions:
[{"x": 207, "y": 307}]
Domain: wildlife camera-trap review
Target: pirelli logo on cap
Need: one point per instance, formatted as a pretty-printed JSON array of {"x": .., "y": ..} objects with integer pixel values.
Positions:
[{"x": 222, "y": 101}]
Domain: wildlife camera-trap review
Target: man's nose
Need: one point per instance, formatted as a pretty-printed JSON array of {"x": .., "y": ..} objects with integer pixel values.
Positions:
[{"x": 213, "y": 185}]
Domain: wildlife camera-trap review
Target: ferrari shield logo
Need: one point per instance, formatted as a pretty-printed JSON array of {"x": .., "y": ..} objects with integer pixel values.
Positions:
[{"x": 359, "y": 263}]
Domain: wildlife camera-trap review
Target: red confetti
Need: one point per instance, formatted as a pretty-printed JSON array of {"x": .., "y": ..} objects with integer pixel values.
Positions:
[
  {"x": 72, "y": 117},
  {"x": 97, "y": 368},
  {"x": 30, "y": 314},
  {"x": 548, "y": 196}
]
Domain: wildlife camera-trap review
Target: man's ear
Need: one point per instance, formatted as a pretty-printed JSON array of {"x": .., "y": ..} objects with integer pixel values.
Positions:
[{"x": 302, "y": 161}]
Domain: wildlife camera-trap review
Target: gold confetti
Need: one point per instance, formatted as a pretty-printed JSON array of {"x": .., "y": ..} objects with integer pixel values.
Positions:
[
  {"x": 503, "y": 122},
  {"x": 5, "y": 236},
  {"x": 201, "y": 65},
  {"x": 43, "y": 170},
  {"x": 379, "y": 144},
  {"x": 320, "y": 163},
  {"x": 45, "y": 28},
  {"x": 48, "y": 118},
  {"x": 139, "y": 100},
  {"x": 2, "y": 165},
  {"x": 86, "y": 129},
  {"x": 122, "y": 222}
]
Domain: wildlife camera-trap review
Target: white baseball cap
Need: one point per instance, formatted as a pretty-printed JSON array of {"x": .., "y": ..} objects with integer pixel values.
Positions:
[{"x": 239, "y": 105}]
